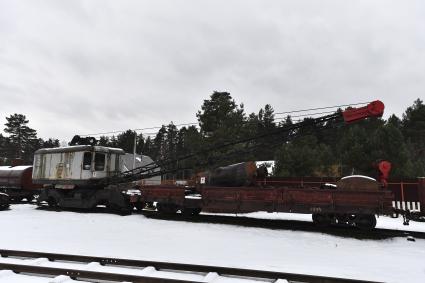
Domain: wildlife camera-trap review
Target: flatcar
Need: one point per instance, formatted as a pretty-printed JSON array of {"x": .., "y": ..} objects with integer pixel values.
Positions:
[{"x": 349, "y": 201}]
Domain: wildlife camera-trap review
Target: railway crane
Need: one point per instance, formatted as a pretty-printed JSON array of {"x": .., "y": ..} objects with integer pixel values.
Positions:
[{"x": 84, "y": 175}]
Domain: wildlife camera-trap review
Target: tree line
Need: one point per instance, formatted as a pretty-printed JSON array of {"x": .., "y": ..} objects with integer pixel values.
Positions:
[
  {"x": 326, "y": 149},
  {"x": 21, "y": 141}
]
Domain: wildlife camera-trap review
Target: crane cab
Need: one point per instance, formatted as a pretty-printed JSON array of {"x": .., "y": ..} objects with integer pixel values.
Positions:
[{"x": 79, "y": 165}]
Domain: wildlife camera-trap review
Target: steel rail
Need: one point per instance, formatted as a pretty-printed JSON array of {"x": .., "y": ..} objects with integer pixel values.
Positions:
[
  {"x": 84, "y": 274},
  {"x": 224, "y": 271}
]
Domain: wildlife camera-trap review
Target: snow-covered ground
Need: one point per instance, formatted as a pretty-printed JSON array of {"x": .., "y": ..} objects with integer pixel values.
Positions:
[
  {"x": 99, "y": 234},
  {"x": 10, "y": 277}
]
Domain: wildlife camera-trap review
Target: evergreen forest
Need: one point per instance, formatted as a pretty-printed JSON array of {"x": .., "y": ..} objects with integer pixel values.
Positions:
[{"x": 324, "y": 149}]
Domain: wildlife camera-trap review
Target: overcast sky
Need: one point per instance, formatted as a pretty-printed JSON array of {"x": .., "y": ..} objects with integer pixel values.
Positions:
[{"x": 76, "y": 67}]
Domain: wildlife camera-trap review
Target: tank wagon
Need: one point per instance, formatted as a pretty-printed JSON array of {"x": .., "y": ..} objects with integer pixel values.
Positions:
[
  {"x": 16, "y": 181},
  {"x": 72, "y": 176}
]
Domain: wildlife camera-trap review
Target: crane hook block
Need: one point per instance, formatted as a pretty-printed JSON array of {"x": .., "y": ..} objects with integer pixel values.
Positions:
[
  {"x": 373, "y": 109},
  {"x": 384, "y": 168}
]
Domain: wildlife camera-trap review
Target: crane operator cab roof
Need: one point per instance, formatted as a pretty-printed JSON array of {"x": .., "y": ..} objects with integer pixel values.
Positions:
[{"x": 76, "y": 148}]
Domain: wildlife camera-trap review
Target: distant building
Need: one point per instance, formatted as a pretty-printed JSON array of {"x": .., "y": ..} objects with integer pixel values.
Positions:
[
  {"x": 269, "y": 164},
  {"x": 141, "y": 160}
]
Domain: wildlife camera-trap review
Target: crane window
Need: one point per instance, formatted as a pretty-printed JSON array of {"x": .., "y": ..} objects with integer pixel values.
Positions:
[
  {"x": 99, "y": 161},
  {"x": 87, "y": 161}
]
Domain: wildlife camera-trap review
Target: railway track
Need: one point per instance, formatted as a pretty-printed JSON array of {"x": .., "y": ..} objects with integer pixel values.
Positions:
[{"x": 90, "y": 268}]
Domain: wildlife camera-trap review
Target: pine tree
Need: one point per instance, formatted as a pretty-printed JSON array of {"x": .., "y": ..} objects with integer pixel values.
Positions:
[
  {"x": 103, "y": 141},
  {"x": 189, "y": 141},
  {"x": 159, "y": 145},
  {"x": 220, "y": 115},
  {"x": 140, "y": 144},
  {"x": 413, "y": 123},
  {"x": 147, "y": 148},
  {"x": 413, "y": 128},
  {"x": 221, "y": 121},
  {"x": 266, "y": 125},
  {"x": 5, "y": 150},
  {"x": 388, "y": 143},
  {"x": 299, "y": 157},
  {"x": 50, "y": 143},
  {"x": 125, "y": 141},
  {"x": 22, "y": 138}
]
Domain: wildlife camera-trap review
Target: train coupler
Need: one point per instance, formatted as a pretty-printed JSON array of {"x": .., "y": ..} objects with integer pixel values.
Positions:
[{"x": 406, "y": 217}]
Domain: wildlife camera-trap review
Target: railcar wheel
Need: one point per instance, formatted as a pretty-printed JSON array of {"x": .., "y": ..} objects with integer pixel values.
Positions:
[
  {"x": 167, "y": 208},
  {"x": 4, "y": 206},
  {"x": 139, "y": 205},
  {"x": 322, "y": 220},
  {"x": 365, "y": 221},
  {"x": 52, "y": 202},
  {"x": 120, "y": 210},
  {"x": 126, "y": 211},
  {"x": 4, "y": 202}
]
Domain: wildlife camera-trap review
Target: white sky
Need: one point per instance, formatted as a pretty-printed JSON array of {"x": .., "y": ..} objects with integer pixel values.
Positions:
[{"x": 75, "y": 67}]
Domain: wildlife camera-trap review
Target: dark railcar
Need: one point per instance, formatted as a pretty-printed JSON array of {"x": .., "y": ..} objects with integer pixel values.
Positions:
[
  {"x": 355, "y": 201},
  {"x": 16, "y": 181}
]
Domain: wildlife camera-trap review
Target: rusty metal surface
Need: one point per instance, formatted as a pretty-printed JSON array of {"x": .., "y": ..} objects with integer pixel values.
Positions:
[
  {"x": 406, "y": 191},
  {"x": 421, "y": 191},
  {"x": 218, "y": 199},
  {"x": 159, "y": 266},
  {"x": 280, "y": 199},
  {"x": 234, "y": 175},
  {"x": 163, "y": 194},
  {"x": 355, "y": 183}
]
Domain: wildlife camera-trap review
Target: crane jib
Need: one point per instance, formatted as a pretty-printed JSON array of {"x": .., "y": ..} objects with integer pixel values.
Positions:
[
  {"x": 373, "y": 109},
  {"x": 350, "y": 115}
]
